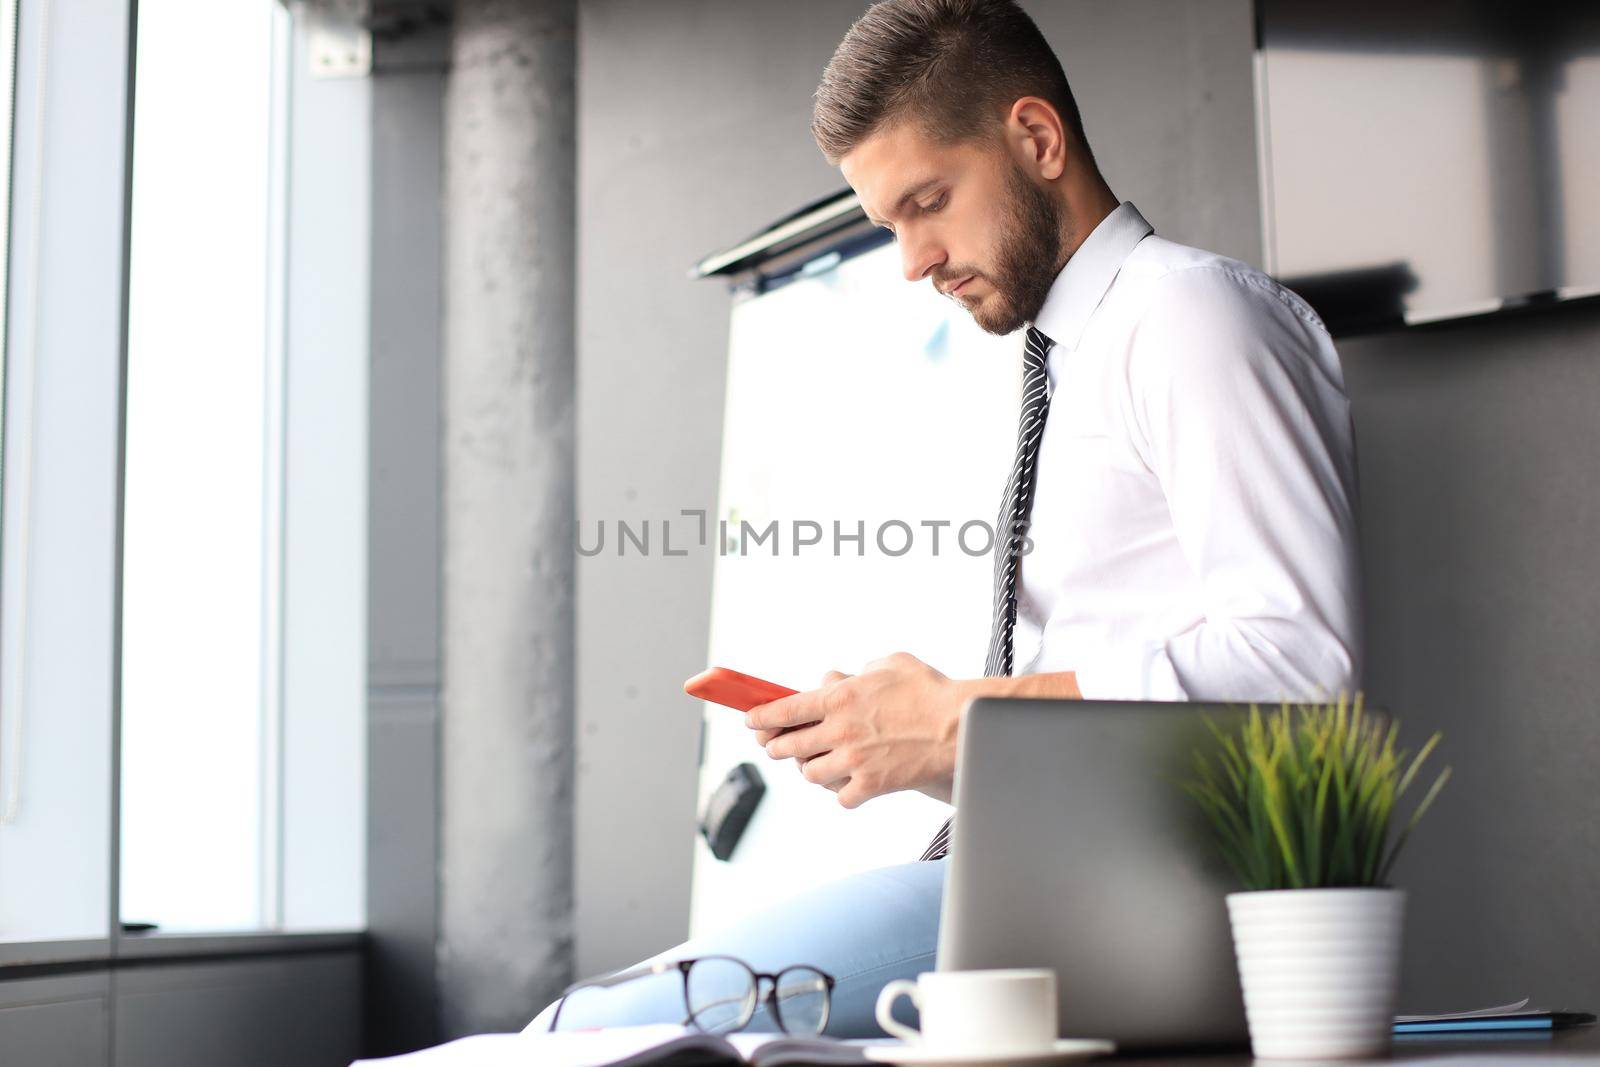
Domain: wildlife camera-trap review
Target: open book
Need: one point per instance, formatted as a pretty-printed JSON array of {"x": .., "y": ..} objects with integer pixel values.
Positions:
[{"x": 664, "y": 1045}]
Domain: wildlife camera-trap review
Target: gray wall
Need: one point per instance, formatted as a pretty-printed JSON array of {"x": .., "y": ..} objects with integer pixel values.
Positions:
[
  {"x": 404, "y": 488},
  {"x": 299, "y": 1008},
  {"x": 1476, "y": 441},
  {"x": 1478, "y": 445},
  {"x": 693, "y": 132}
]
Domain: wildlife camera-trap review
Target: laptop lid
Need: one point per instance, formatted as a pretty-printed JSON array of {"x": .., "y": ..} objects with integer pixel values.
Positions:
[{"x": 1075, "y": 848}]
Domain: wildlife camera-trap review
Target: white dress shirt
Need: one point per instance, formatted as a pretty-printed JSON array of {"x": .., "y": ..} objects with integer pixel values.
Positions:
[{"x": 1194, "y": 517}]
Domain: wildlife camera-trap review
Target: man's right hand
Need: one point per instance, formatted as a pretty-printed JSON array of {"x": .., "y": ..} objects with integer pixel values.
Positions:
[{"x": 763, "y": 736}]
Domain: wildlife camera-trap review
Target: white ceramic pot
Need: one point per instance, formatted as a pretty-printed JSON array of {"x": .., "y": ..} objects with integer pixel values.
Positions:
[{"x": 1319, "y": 969}]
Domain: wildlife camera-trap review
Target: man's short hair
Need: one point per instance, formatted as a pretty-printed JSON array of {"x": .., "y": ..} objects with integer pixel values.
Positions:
[{"x": 954, "y": 66}]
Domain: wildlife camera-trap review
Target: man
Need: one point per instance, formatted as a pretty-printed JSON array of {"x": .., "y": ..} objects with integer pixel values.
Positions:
[{"x": 1180, "y": 519}]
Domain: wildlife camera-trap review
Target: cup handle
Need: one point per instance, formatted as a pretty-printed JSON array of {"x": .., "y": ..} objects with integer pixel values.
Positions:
[{"x": 886, "y": 999}]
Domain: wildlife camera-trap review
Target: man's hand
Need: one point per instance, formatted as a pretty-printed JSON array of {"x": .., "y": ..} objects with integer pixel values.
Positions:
[{"x": 889, "y": 728}]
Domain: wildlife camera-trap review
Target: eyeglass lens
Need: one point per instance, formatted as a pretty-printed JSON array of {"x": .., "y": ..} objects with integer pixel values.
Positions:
[
  {"x": 722, "y": 994},
  {"x": 803, "y": 1000}
]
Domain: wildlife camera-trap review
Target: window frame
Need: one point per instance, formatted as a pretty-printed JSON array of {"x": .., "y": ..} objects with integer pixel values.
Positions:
[{"x": 330, "y": 217}]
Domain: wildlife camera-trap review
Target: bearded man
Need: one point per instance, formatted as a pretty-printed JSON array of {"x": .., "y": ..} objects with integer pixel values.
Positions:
[{"x": 1180, "y": 519}]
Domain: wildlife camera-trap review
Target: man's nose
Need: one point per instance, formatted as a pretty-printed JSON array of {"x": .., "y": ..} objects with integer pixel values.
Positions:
[{"x": 918, "y": 256}]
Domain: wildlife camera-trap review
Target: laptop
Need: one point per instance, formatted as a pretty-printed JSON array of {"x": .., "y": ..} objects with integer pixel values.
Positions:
[{"x": 1075, "y": 848}]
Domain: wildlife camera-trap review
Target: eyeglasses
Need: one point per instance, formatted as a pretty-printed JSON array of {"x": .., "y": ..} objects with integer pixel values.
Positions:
[{"x": 721, "y": 993}]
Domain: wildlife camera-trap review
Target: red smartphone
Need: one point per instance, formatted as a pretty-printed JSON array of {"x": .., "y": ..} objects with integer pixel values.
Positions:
[{"x": 734, "y": 690}]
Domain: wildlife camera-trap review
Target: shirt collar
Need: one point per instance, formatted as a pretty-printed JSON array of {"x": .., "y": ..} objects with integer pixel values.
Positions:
[{"x": 1082, "y": 283}]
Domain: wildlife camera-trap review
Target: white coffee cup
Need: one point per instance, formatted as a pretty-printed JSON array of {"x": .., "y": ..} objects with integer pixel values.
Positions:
[{"x": 1004, "y": 1012}]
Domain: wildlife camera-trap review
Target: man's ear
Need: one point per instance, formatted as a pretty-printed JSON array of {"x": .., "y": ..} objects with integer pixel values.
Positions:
[{"x": 1035, "y": 134}]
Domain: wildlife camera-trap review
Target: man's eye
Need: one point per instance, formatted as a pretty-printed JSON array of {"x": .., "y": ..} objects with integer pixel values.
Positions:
[{"x": 937, "y": 204}]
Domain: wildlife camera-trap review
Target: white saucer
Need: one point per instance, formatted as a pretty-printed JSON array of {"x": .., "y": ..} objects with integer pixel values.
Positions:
[{"x": 1062, "y": 1051}]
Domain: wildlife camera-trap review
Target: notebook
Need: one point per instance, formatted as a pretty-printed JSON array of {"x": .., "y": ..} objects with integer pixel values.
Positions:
[{"x": 1501, "y": 1017}]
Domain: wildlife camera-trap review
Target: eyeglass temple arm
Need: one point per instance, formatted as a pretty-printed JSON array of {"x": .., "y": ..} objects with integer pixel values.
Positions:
[{"x": 606, "y": 981}]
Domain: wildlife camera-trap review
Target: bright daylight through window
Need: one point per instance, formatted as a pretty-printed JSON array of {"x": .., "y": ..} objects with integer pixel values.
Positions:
[{"x": 203, "y": 519}]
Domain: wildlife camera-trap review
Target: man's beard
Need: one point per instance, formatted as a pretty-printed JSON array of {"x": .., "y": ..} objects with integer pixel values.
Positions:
[{"x": 1029, "y": 258}]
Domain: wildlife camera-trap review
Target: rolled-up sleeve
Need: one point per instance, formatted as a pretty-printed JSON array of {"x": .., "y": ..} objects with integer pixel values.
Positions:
[{"x": 1237, "y": 405}]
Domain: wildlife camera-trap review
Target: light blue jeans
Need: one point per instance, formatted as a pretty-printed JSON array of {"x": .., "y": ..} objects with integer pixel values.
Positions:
[{"x": 865, "y": 930}]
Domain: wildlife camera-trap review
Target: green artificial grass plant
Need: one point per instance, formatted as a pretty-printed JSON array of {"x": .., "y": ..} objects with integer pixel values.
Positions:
[{"x": 1302, "y": 797}]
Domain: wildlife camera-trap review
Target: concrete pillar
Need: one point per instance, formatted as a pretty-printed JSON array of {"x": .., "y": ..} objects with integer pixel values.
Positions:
[{"x": 505, "y": 877}]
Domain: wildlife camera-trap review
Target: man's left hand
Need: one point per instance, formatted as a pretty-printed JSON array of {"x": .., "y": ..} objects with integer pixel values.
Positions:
[{"x": 889, "y": 728}]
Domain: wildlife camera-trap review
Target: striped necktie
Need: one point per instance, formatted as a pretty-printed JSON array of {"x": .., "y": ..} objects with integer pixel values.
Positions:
[{"x": 1015, "y": 505}]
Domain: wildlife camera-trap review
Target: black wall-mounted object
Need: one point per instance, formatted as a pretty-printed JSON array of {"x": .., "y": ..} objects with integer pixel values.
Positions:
[{"x": 729, "y": 808}]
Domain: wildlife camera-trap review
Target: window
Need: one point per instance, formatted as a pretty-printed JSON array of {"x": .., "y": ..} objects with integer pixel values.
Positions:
[
  {"x": 203, "y": 496},
  {"x": 183, "y": 529},
  {"x": 58, "y": 549},
  {"x": 243, "y": 614}
]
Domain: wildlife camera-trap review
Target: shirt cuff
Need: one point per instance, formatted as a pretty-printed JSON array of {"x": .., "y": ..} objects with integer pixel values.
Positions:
[{"x": 1132, "y": 672}]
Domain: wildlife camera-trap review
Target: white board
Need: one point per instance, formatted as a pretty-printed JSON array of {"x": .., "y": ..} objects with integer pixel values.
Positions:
[{"x": 853, "y": 397}]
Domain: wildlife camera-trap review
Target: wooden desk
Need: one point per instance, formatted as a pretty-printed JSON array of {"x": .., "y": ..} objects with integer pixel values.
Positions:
[{"x": 1578, "y": 1045}]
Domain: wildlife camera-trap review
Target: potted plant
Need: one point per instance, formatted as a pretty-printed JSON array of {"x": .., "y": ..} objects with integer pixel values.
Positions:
[{"x": 1302, "y": 800}]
